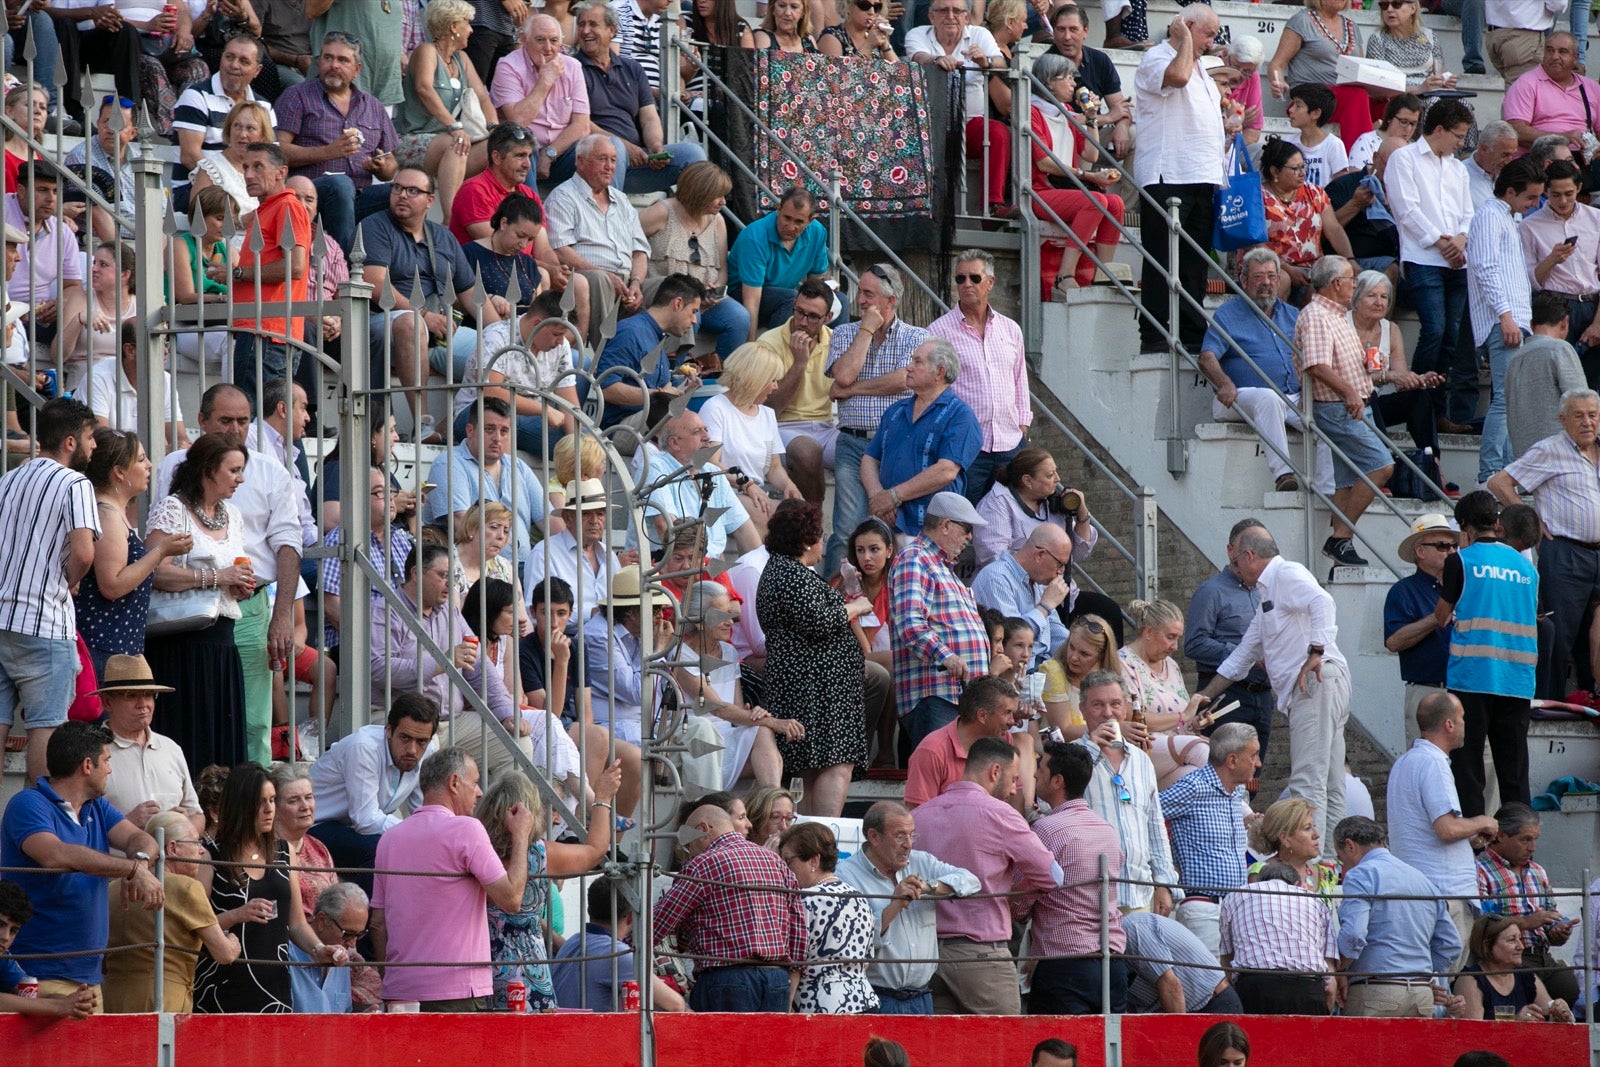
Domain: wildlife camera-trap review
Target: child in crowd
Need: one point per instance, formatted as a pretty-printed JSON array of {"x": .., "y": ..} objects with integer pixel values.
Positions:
[{"x": 14, "y": 911}]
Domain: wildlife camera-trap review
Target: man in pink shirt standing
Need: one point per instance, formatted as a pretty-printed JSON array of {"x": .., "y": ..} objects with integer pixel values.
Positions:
[
  {"x": 445, "y": 921},
  {"x": 1066, "y": 923},
  {"x": 972, "y": 825},
  {"x": 544, "y": 90},
  {"x": 988, "y": 707}
]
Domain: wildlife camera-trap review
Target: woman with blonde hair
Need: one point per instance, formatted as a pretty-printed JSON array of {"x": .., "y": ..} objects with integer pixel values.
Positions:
[
  {"x": 482, "y": 534},
  {"x": 860, "y": 31},
  {"x": 1402, "y": 40},
  {"x": 1160, "y": 705},
  {"x": 521, "y": 936},
  {"x": 248, "y": 123},
  {"x": 787, "y": 27},
  {"x": 771, "y": 811},
  {"x": 440, "y": 87},
  {"x": 1288, "y": 833},
  {"x": 748, "y": 430},
  {"x": 1090, "y": 646},
  {"x": 1007, "y": 22},
  {"x": 688, "y": 235}
]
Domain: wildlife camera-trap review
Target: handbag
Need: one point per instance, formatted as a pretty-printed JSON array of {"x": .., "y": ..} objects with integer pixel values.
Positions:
[
  {"x": 469, "y": 111},
  {"x": 185, "y": 610},
  {"x": 1241, "y": 216},
  {"x": 86, "y": 706}
]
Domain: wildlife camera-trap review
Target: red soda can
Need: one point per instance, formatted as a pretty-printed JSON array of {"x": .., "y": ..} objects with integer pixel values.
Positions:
[
  {"x": 28, "y": 986},
  {"x": 630, "y": 996},
  {"x": 517, "y": 997}
]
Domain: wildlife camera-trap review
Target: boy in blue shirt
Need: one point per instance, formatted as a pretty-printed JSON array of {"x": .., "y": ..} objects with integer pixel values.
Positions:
[{"x": 14, "y": 911}]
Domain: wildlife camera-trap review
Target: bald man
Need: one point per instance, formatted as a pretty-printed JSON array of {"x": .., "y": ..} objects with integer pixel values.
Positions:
[
  {"x": 1030, "y": 583},
  {"x": 747, "y": 943}
]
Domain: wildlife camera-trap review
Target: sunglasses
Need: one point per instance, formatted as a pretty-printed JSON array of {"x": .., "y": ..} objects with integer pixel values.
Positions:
[
  {"x": 124, "y": 101},
  {"x": 517, "y": 132},
  {"x": 975, "y": 279},
  {"x": 694, "y": 249},
  {"x": 1122, "y": 789},
  {"x": 867, "y": 5},
  {"x": 1390, "y": 5},
  {"x": 1439, "y": 546}
]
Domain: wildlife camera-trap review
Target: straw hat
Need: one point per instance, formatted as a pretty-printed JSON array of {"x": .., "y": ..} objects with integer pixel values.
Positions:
[
  {"x": 587, "y": 495},
  {"x": 129, "y": 674},
  {"x": 625, "y": 590},
  {"x": 1426, "y": 524}
]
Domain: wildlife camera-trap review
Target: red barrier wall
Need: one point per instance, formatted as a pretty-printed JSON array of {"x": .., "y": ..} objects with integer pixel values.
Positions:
[{"x": 579, "y": 1040}]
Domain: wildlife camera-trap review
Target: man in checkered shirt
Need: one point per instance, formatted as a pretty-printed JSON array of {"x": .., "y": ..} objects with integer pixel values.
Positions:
[
  {"x": 1280, "y": 937},
  {"x": 744, "y": 941}
]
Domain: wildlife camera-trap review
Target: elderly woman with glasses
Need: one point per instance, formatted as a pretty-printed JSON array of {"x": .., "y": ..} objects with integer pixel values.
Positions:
[
  {"x": 952, "y": 43},
  {"x": 839, "y": 924},
  {"x": 1299, "y": 216},
  {"x": 861, "y": 31},
  {"x": 1399, "y": 396},
  {"x": 749, "y": 733}
]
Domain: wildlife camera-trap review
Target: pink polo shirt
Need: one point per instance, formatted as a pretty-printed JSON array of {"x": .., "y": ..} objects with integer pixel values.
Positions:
[
  {"x": 514, "y": 78},
  {"x": 437, "y": 920},
  {"x": 968, "y": 828},
  {"x": 1544, "y": 105},
  {"x": 940, "y": 759}
]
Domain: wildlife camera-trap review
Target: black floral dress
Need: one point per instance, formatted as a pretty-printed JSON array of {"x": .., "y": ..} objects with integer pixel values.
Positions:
[{"x": 814, "y": 666}]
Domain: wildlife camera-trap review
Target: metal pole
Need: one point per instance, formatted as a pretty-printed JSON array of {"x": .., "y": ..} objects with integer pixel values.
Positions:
[
  {"x": 1588, "y": 968},
  {"x": 669, "y": 79},
  {"x": 1021, "y": 162},
  {"x": 1105, "y": 936},
  {"x": 149, "y": 258},
  {"x": 1149, "y": 575},
  {"x": 1177, "y": 455},
  {"x": 1308, "y": 451},
  {"x": 355, "y": 486},
  {"x": 835, "y": 193},
  {"x": 159, "y": 986}
]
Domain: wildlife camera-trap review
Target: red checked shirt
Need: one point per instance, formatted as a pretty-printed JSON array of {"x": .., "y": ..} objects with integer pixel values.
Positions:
[
  {"x": 727, "y": 923},
  {"x": 935, "y": 616},
  {"x": 1508, "y": 891},
  {"x": 1278, "y": 927}
]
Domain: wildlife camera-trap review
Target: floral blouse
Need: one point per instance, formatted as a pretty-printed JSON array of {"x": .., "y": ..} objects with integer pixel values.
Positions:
[{"x": 1294, "y": 230}]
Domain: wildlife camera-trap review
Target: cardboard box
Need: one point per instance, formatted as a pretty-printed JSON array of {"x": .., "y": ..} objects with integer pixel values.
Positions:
[{"x": 1375, "y": 74}]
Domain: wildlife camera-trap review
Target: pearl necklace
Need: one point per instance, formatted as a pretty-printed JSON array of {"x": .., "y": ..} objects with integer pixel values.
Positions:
[{"x": 218, "y": 523}]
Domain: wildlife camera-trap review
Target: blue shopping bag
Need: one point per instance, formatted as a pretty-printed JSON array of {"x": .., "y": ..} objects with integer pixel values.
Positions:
[{"x": 1241, "y": 217}]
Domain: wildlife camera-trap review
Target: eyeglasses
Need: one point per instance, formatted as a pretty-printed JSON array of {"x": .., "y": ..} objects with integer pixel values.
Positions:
[
  {"x": 1390, "y": 5},
  {"x": 516, "y": 132},
  {"x": 351, "y": 935},
  {"x": 806, "y": 316},
  {"x": 877, "y": 271},
  {"x": 903, "y": 839},
  {"x": 1062, "y": 563},
  {"x": 341, "y": 37},
  {"x": 1122, "y": 789},
  {"x": 966, "y": 527},
  {"x": 975, "y": 279},
  {"x": 1440, "y": 546},
  {"x": 1296, "y": 167},
  {"x": 410, "y": 190}
]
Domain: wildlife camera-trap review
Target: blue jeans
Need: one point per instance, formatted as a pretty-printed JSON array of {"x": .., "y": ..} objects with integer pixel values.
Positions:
[
  {"x": 980, "y": 476},
  {"x": 1470, "y": 12},
  {"x": 1440, "y": 296},
  {"x": 903, "y": 1002},
  {"x": 275, "y": 362},
  {"x": 341, "y": 207},
  {"x": 647, "y": 180},
  {"x": 929, "y": 714},
  {"x": 1578, "y": 19},
  {"x": 849, "y": 498},
  {"x": 743, "y": 989},
  {"x": 728, "y": 322},
  {"x": 45, "y": 45},
  {"x": 1494, "y": 449}
]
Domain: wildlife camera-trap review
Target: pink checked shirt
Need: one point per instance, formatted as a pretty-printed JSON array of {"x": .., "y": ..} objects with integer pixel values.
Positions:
[
  {"x": 994, "y": 375},
  {"x": 1067, "y": 922},
  {"x": 969, "y": 828},
  {"x": 1278, "y": 927}
]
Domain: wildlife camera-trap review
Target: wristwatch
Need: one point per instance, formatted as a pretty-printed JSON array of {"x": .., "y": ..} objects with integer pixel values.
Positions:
[
  {"x": 138, "y": 857},
  {"x": 550, "y": 151},
  {"x": 238, "y": 274}
]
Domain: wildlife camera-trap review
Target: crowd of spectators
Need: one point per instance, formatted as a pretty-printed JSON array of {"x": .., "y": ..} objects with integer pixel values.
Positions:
[{"x": 932, "y": 621}]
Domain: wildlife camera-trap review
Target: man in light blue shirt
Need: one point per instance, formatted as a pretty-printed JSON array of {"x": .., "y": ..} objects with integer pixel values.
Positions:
[
  {"x": 482, "y": 467},
  {"x": 1388, "y": 948},
  {"x": 685, "y": 490},
  {"x": 1426, "y": 827},
  {"x": 340, "y": 918},
  {"x": 904, "y": 883},
  {"x": 1030, "y": 584},
  {"x": 587, "y": 982}
]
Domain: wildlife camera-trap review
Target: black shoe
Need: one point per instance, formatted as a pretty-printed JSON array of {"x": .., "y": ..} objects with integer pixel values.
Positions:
[
  {"x": 1342, "y": 551},
  {"x": 1472, "y": 69},
  {"x": 68, "y": 126}
]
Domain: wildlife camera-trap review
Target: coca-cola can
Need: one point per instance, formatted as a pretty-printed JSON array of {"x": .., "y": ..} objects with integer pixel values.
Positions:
[
  {"x": 630, "y": 996},
  {"x": 517, "y": 997},
  {"x": 28, "y": 986}
]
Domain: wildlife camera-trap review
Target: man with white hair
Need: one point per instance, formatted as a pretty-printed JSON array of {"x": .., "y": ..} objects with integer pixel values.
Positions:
[
  {"x": 543, "y": 89},
  {"x": 924, "y": 444},
  {"x": 1179, "y": 112},
  {"x": 596, "y": 233},
  {"x": 1497, "y": 146}
]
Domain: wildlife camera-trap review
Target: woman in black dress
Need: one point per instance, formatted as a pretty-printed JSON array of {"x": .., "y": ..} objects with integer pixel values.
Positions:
[
  {"x": 814, "y": 662},
  {"x": 257, "y": 900}
]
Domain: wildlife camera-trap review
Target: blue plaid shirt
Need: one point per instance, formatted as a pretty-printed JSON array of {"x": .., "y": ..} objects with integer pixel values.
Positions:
[
  {"x": 1207, "y": 823},
  {"x": 899, "y": 341}
]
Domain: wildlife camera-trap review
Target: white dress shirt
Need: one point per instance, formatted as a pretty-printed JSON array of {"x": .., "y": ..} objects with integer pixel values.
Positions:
[
  {"x": 1430, "y": 196},
  {"x": 748, "y": 636},
  {"x": 1293, "y": 613},
  {"x": 357, "y": 783},
  {"x": 1522, "y": 14},
  {"x": 923, "y": 40},
  {"x": 265, "y": 501},
  {"x": 1180, "y": 127},
  {"x": 1140, "y": 824},
  {"x": 913, "y": 935},
  {"x": 264, "y": 437}
]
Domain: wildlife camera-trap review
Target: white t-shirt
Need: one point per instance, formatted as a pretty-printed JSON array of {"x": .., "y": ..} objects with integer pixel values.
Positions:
[
  {"x": 747, "y": 443},
  {"x": 1323, "y": 161},
  {"x": 1365, "y": 148},
  {"x": 106, "y": 381},
  {"x": 537, "y": 370}
]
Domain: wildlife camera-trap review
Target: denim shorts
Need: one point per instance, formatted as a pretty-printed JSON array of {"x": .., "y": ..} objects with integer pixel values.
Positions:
[
  {"x": 38, "y": 675},
  {"x": 1357, "y": 439}
]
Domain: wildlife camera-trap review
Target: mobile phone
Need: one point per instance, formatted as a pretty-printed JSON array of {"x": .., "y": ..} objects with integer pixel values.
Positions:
[{"x": 1570, "y": 241}]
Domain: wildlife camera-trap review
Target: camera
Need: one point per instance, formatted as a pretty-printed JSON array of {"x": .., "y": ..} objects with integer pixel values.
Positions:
[{"x": 1064, "y": 501}]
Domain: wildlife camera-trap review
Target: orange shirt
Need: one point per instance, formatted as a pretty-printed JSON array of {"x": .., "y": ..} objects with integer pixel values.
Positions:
[{"x": 270, "y": 219}]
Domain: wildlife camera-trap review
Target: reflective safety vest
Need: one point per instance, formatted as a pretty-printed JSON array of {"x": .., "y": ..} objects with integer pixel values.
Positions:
[{"x": 1494, "y": 647}]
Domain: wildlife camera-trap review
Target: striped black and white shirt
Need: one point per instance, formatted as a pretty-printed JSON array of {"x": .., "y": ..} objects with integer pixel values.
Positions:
[
  {"x": 639, "y": 36},
  {"x": 41, "y": 503}
]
